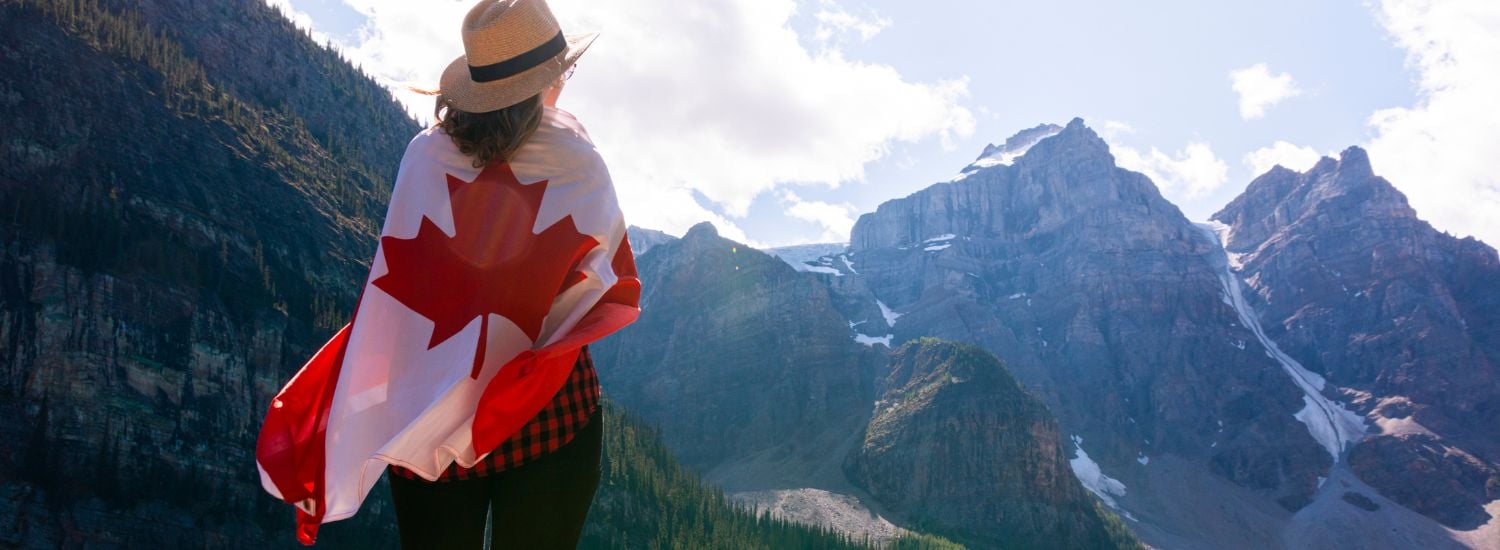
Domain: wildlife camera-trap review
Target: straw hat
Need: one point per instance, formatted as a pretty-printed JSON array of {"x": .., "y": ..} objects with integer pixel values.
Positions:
[{"x": 513, "y": 50}]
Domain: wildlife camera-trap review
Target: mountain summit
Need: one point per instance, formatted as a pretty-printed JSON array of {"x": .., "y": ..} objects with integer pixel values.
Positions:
[
  {"x": 1360, "y": 290},
  {"x": 1097, "y": 293}
]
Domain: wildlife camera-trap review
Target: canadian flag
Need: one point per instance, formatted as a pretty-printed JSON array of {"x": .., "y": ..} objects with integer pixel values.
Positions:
[{"x": 486, "y": 284}]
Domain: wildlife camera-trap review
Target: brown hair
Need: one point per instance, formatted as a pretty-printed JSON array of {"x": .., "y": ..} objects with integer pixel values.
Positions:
[{"x": 493, "y": 135}]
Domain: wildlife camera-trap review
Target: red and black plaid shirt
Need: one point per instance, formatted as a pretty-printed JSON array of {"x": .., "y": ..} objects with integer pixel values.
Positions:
[{"x": 549, "y": 430}]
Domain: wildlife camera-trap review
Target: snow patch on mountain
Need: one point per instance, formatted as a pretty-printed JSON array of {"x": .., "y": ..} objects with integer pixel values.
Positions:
[
  {"x": 806, "y": 268},
  {"x": 811, "y": 258},
  {"x": 890, "y": 316},
  {"x": 848, "y": 264},
  {"x": 1093, "y": 478},
  {"x": 1014, "y": 148},
  {"x": 1330, "y": 423}
]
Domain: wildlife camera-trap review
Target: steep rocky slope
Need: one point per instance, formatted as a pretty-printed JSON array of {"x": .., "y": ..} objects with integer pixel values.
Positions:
[
  {"x": 736, "y": 354},
  {"x": 1361, "y": 291},
  {"x": 957, "y": 446}
]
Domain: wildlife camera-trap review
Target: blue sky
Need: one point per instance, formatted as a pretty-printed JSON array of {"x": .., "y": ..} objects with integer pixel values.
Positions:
[
  {"x": 786, "y": 119},
  {"x": 1161, "y": 67}
]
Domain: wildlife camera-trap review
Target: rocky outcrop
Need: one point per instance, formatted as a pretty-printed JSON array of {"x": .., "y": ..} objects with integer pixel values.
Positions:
[
  {"x": 956, "y": 445},
  {"x": 1353, "y": 284},
  {"x": 737, "y": 354}
]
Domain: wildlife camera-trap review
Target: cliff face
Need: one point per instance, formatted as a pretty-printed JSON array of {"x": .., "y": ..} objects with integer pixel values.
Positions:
[
  {"x": 959, "y": 447},
  {"x": 1360, "y": 290},
  {"x": 736, "y": 353},
  {"x": 173, "y": 247},
  {"x": 1100, "y": 295}
]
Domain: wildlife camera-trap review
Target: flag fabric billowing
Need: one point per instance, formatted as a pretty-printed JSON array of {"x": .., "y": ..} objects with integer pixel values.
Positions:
[{"x": 486, "y": 284}]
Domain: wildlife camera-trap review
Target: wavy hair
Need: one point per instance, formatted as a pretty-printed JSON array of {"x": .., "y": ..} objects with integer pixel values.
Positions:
[{"x": 491, "y": 136}]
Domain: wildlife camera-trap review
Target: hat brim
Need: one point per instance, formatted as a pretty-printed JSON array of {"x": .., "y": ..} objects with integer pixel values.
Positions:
[{"x": 463, "y": 93}]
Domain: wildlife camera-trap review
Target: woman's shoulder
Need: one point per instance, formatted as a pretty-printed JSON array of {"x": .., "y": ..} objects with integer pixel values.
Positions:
[
  {"x": 561, "y": 141},
  {"x": 433, "y": 149},
  {"x": 565, "y": 121},
  {"x": 431, "y": 139}
]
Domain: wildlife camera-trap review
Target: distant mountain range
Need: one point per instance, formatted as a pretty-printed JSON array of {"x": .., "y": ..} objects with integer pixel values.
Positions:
[{"x": 1313, "y": 367}]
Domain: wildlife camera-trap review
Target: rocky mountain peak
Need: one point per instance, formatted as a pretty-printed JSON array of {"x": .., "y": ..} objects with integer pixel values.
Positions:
[
  {"x": 701, "y": 231},
  {"x": 1354, "y": 162},
  {"x": 1074, "y": 141},
  {"x": 1343, "y": 191}
]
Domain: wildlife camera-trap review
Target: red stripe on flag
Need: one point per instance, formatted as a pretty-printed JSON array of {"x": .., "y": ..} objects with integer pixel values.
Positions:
[{"x": 292, "y": 440}]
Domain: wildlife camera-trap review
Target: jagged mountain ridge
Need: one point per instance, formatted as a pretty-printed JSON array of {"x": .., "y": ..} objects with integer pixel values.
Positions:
[
  {"x": 1094, "y": 289},
  {"x": 975, "y": 258},
  {"x": 1365, "y": 293}
]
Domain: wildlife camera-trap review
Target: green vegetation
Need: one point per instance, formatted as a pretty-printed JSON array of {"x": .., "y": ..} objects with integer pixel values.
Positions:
[
  {"x": 940, "y": 395},
  {"x": 647, "y": 500},
  {"x": 246, "y": 184}
]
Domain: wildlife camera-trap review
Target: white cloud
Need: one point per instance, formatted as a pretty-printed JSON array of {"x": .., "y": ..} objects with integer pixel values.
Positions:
[
  {"x": 1111, "y": 130},
  {"x": 1191, "y": 173},
  {"x": 834, "y": 20},
  {"x": 719, "y": 99},
  {"x": 836, "y": 219},
  {"x": 1441, "y": 152},
  {"x": 1289, "y": 156},
  {"x": 1259, "y": 89}
]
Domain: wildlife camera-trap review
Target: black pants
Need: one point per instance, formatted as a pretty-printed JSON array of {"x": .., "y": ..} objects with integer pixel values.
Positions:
[{"x": 541, "y": 505}]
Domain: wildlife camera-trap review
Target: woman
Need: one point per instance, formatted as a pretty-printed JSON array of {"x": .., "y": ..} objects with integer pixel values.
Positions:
[
  {"x": 465, "y": 367},
  {"x": 538, "y": 484}
]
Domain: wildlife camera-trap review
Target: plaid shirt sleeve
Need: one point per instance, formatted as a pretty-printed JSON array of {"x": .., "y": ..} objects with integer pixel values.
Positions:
[{"x": 549, "y": 430}]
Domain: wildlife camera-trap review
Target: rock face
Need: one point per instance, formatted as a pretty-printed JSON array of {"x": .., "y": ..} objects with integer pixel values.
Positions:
[
  {"x": 178, "y": 238},
  {"x": 1100, "y": 296},
  {"x": 959, "y": 447},
  {"x": 1350, "y": 282},
  {"x": 735, "y": 354},
  {"x": 1436, "y": 480}
]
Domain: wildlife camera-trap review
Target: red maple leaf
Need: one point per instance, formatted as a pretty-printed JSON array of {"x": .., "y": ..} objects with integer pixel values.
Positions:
[{"x": 493, "y": 263}]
